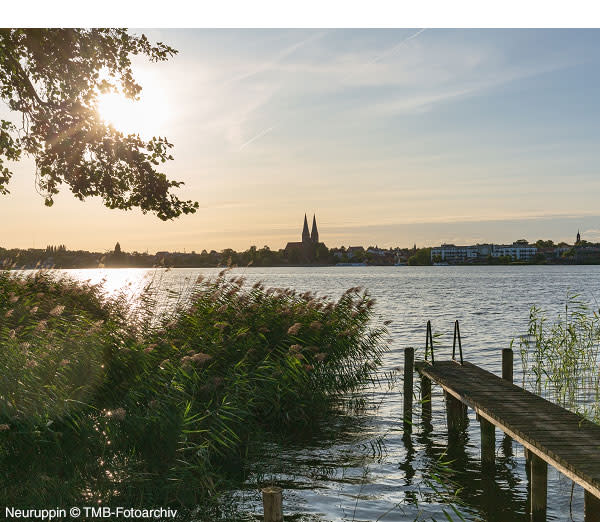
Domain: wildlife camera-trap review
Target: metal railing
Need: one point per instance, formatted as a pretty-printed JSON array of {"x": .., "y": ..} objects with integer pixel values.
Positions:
[
  {"x": 457, "y": 336},
  {"x": 429, "y": 343}
]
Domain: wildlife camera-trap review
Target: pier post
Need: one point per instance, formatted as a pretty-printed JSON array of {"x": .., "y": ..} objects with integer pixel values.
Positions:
[
  {"x": 539, "y": 487},
  {"x": 425, "y": 399},
  {"x": 456, "y": 415},
  {"x": 507, "y": 364},
  {"x": 488, "y": 442},
  {"x": 591, "y": 507},
  {"x": 507, "y": 375},
  {"x": 272, "y": 504},
  {"x": 527, "y": 455},
  {"x": 409, "y": 360}
]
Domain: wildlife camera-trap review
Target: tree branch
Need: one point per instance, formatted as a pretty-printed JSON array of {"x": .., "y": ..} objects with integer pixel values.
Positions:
[{"x": 22, "y": 75}]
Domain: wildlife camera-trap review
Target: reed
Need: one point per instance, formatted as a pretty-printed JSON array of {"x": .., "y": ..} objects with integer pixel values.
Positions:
[
  {"x": 103, "y": 403},
  {"x": 560, "y": 357}
]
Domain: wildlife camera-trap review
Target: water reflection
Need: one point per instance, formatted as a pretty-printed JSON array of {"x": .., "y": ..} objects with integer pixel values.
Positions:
[{"x": 489, "y": 491}]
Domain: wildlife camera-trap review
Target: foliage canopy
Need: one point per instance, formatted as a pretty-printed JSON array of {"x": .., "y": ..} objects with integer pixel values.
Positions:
[
  {"x": 52, "y": 78},
  {"x": 421, "y": 257}
]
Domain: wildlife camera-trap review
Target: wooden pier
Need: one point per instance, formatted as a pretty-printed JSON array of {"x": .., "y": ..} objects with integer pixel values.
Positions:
[{"x": 550, "y": 434}]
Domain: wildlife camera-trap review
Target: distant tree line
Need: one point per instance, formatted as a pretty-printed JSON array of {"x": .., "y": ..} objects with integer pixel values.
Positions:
[
  {"x": 60, "y": 257},
  {"x": 53, "y": 249}
]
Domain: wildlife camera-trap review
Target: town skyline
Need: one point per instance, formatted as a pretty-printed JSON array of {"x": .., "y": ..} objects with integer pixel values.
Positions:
[
  {"x": 390, "y": 136},
  {"x": 305, "y": 234},
  {"x": 366, "y": 244},
  {"x": 309, "y": 251}
]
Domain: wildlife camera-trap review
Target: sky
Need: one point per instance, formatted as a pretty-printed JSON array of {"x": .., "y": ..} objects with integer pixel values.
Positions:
[{"x": 391, "y": 137}]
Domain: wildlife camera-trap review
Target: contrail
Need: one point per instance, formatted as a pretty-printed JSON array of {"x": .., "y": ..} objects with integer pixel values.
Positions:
[
  {"x": 283, "y": 54},
  {"x": 389, "y": 52},
  {"x": 393, "y": 49},
  {"x": 259, "y": 135},
  {"x": 265, "y": 66},
  {"x": 291, "y": 49}
]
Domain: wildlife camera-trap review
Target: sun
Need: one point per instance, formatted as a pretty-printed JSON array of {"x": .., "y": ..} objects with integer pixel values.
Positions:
[{"x": 147, "y": 116}]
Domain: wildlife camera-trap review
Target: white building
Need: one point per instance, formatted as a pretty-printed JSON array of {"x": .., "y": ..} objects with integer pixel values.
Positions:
[
  {"x": 459, "y": 254},
  {"x": 465, "y": 254},
  {"x": 517, "y": 251},
  {"x": 377, "y": 251}
]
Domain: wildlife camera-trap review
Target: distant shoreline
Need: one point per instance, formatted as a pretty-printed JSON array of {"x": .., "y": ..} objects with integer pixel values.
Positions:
[
  {"x": 463, "y": 265},
  {"x": 58, "y": 256}
]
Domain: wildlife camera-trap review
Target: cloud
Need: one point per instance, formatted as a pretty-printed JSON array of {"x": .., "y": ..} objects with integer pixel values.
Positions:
[
  {"x": 250, "y": 91},
  {"x": 476, "y": 85},
  {"x": 279, "y": 57},
  {"x": 467, "y": 220},
  {"x": 591, "y": 234}
]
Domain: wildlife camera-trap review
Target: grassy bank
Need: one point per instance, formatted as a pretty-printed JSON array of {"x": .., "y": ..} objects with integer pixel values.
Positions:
[{"x": 104, "y": 404}]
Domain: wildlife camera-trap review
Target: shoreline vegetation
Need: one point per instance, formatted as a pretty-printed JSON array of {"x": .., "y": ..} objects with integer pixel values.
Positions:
[
  {"x": 61, "y": 258},
  {"x": 114, "y": 404},
  {"x": 560, "y": 357}
]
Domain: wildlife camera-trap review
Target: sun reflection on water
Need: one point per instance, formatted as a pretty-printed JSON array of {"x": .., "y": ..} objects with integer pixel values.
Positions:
[{"x": 129, "y": 282}]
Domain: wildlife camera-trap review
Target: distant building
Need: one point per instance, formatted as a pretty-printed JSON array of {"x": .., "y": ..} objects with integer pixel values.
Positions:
[
  {"x": 353, "y": 250},
  {"x": 559, "y": 251},
  {"x": 310, "y": 240},
  {"x": 377, "y": 251},
  {"x": 460, "y": 254},
  {"x": 517, "y": 251},
  {"x": 464, "y": 254},
  {"x": 314, "y": 233}
]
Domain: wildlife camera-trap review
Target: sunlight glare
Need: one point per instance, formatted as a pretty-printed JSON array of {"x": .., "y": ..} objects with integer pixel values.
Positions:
[{"x": 147, "y": 116}]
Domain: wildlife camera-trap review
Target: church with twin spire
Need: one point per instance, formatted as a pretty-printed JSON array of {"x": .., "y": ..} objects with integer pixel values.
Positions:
[{"x": 310, "y": 240}]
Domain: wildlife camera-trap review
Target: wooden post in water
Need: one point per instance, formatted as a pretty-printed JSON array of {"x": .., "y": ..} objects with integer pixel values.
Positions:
[
  {"x": 425, "y": 398},
  {"x": 591, "y": 507},
  {"x": 507, "y": 364},
  {"x": 273, "y": 504},
  {"x": 409, "y": 361},
  {"x": 527, "y": 455},
  {"x": 456, "y": 415},
  {"x": 488, "y": 442},
  {"x": 507, "y": 374},
  {"x": 539, "y": 487}
]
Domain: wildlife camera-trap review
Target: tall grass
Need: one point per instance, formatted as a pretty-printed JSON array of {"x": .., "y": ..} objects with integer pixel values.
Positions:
[
  {"x": 114, "y": 407},
  {"x": 560, "y": 358}
]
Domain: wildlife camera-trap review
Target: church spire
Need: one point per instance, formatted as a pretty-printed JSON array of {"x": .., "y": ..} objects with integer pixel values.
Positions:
[
  {"x": 314, "y": 235},
  {"x": 305, "y": 232},
  {"x": 578, "y": 238}
]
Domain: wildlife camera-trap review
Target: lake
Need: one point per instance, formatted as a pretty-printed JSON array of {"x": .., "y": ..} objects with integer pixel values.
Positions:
[{"x": 369, "y": 472}]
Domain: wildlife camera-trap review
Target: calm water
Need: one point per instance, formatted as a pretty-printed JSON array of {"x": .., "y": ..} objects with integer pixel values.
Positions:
[{"x": 370, "y": 472}]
